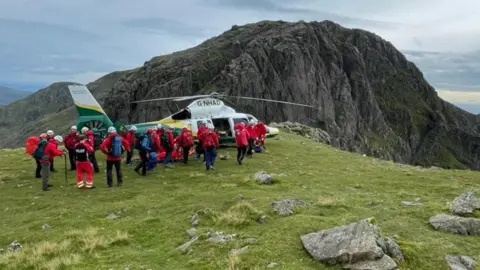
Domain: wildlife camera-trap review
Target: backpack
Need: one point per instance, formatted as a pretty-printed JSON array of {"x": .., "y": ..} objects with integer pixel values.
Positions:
[
  {"x": 165, "y": 140},
  {"x": 31, "y": 144},
  {"x": 138, "y": 142},
  {"x": 146, "y": 143},
  {"x": 116, "y": 150},
  {"x": 187, "y": 139},
  {"x": 39, "y": 151},
  {"x": 208, "y": 139}
]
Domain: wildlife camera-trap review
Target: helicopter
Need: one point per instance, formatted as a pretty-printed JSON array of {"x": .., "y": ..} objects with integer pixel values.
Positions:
[{"x": 207, "y": 108}]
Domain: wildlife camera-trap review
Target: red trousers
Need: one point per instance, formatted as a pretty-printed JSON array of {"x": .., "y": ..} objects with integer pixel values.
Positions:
[{"x": 87, "y": 168}]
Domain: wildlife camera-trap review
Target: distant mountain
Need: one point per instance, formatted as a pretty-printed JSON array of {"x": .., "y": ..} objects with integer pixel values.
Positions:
[{"x": 8, "y": 95}]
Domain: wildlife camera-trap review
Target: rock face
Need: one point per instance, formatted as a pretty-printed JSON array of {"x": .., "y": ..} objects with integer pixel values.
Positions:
[
  {"x": 465, "y": 204},
  {"x": 316, "y": 134},
  {"x": 354, "y": 246},
  {"x": 369, "y": 98},
  {"x": 455, "y": 224},
  {"x": 461, "y": 262}
]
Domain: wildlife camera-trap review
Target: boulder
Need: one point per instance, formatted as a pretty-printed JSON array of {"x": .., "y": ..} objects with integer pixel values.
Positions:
[
  {"x": 285, "y": 207},
  {"x": 353, "y": 246},
  {"x": 465, "y": 204},
  {"x": 461, "y": 262},
  {"x": 184, "y": 248},
  {"x": 264, "y": 178},
  {"x": 455, "y": 224}
]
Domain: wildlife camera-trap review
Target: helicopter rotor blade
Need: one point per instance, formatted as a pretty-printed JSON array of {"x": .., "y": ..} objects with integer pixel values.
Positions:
[{"x": 272, "y": 100}]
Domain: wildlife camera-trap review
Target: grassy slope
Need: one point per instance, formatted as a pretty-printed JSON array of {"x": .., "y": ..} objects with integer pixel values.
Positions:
[{"x": 340, "y": 186}]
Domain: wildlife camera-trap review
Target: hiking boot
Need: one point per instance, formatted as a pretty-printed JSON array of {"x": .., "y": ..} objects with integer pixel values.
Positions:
[
  {"x": 92, "y": 187},
  {"x": 50, "y": 185},
  {"x": 119, "y": 184}
]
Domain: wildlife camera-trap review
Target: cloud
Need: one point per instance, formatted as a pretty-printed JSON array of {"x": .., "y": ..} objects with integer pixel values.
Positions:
[
  {"x": 50, "y": 40},
  {"x": 460, "y": 97}
]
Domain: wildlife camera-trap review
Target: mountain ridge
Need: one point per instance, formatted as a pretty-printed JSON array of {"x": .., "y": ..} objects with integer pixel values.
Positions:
[
  {"x": 370, "y": 98},
  {"x": 8, "y": 95}
]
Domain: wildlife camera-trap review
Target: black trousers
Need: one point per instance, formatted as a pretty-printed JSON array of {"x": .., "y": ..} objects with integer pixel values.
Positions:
[
  {"x": 143, "y": 163},
  {"x": 200, "y": 150},
  {"x": 118, "y": 169},
  {"x": 250, "y": 147},
  {"x": 51, "y": 167},
  {"x": 241, "y": 153},
  {"x": 129, "y": 156},
  {"x": 94, "y": 162},
  {"x": 38, "y": 170},
  {"x": 71, "y": 156},
  {"x": 186, "y": 150}
]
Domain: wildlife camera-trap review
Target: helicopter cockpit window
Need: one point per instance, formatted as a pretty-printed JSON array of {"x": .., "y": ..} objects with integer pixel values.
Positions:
[
  {"x": 182, "y": 115},
  {"x": 240, "y": 120}
]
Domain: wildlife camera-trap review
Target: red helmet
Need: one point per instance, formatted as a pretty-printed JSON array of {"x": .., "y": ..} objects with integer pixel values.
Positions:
[
  {"x": 149, "y": 130},
  {"x": 43, "y": 136}
]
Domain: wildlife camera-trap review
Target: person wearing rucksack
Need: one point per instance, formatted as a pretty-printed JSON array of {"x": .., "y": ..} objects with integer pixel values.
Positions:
[
  {"x": 45, "y": 153},
  {"x": 90, "y": 135},
  {"x": 168, "y": 144},
  {"x": 200, "y": 149},
  {"x": 185, "y": 141},
  {"x": 83, "y": 150},
  {"x": 210, "y": 142},
  {"x": 113, "y": 147},
  {"x": 130, "y": 137},
  {"x": 37, "y": 154},
  {"x": 50, "y": 138},
  {"x": 145, "y": 146}
]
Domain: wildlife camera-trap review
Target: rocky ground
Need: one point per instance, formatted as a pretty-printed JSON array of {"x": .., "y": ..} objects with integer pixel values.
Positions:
[{"x": 299, "y": 205}]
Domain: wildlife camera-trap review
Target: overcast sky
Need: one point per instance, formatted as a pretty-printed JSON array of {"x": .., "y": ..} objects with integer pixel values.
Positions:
[{"x": 43, "y": 41}]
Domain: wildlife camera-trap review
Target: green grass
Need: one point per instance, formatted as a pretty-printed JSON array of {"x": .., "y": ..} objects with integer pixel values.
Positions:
[{"x": 340, "y": 187}]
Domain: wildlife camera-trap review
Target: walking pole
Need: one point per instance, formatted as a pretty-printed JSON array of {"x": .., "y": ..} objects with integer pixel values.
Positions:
[{"x": 65, "y": 159}]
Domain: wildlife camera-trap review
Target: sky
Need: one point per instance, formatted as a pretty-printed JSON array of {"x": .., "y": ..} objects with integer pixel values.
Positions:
[{"x": 81, "y": 40}]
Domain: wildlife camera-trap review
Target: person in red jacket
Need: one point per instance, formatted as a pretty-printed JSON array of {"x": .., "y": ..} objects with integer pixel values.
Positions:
[
  {"x": 260, "y": 130},
  {"x": 185, "y": 141},
  {"x": 70, "y": 141},
  {"x": 114, "y": 152},
  {"x": 168, "y": 143},
  {"x": 50, "y": 135},
  {"x": 90, "y": 136},
  {"x": 210, "y": 142},
  {"x": 200, "y": 149},
  {"x": 50, "y": 151},
  {"x": 241, "y": 140},
  {"x": 251, "y": 139},
  {"x": 130, "y": 137},
  {"x": 84, "y": 166}
]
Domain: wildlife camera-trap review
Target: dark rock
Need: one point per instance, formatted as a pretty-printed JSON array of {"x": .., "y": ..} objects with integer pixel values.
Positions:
[
  {"x": 353, "y": 246},
  {"x": 14, "y": 246},
  {"x": 261, "y": 219},
  {"x": 393, "y": 250},
  {"x": 461, "y": 262},
  {"x": 455, "y": 224},
  {"x": 465, "y": 204}
]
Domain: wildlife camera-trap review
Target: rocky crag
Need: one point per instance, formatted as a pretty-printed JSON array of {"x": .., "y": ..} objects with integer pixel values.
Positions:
[{"x": 369, "y": 98}]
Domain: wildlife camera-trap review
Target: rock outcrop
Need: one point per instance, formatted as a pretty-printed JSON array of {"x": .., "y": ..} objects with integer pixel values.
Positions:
[
  {"x": 465, "y": 204},
  {"x": 353, "y": 246},
  {"x": 368, "y": 97},
  {"x": 461, "y": 262},
  {"x": 455, "y": 224}
]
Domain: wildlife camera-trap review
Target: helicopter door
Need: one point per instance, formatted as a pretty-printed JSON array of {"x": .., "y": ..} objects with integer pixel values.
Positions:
[{"x": 223, "y": 127}]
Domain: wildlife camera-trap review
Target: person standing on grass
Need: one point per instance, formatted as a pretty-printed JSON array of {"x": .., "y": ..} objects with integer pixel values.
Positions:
[
  {"x": 251, "y": 138},
  {"x": 90, "y": 135},
  {"x": 50, "y": 138},
  {"x": 168, "y": 143},
  {"x": 210, "y": 142},
  {"x": 130, "y": 137},
  {"x": 83, "y": 150},
  {"x": 70, "y": 141},
  {"x": 146, "y": 146},
  {"x": 260, "y": 130},
  {"x": 49, "y": 150},
  {"x": 200, "y": 149},
  {"x": 185, "y": 142},
  {"x": 241, "y": 140},
  {"x": 43, "y": 139},
  {"x": 113, "y": 147}
]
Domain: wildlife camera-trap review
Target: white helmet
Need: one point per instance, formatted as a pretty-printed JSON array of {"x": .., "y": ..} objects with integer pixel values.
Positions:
[
  {"x": 111, "y": 130},
  {"x": 50, "y": 133},
  {"x": 252, "y": 122},
  {"x": 133, "y": 128},
  {"x": 159, "y": 126},
  {"x": 58, "y": 139},
  {"x": 210, "y": 126},
  {"x": 84, "y": 129},
  {"x": 74, "y": 127}
]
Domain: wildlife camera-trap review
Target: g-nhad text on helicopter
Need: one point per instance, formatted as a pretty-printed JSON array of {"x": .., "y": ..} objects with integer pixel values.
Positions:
[{"x": 208, "y": 108}]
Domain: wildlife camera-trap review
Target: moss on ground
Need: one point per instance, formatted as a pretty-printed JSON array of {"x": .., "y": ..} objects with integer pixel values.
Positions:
[{"x": 155, "y": 211}]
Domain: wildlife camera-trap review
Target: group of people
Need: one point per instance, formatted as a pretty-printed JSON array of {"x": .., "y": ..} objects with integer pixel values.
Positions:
[{"x": 154, "y": 145}]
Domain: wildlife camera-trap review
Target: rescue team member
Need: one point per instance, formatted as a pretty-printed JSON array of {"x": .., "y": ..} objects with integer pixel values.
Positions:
[
  {"x": 83, "y": 150},
  {"x": 168, "y": 143},
  {"x": 200, "y": 149},
  {"x": 251, "y": 138},
  {"x": 145, "y": 146},
  {"x": 70, "y": 141},
  {"x": 113, "y": 147},
  {"x": 241, "y": 140},
  {"x": 130, "y": 137},
  {"x": 260, "y": 130},
  {"x": 90, "y": 136},
  {"x": 49, "y": 151},
  {"x": 43, "y": 138},
  {"x": 50, "y": 138},
  {"x": 185, "y": 141},
  {"x": 210, "y": 142}
]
